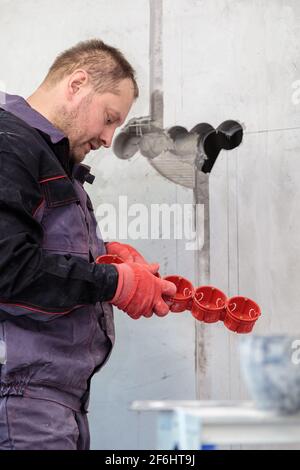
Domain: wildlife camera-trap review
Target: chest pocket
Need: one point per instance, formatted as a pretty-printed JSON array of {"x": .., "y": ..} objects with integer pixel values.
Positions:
[{"x": 63, "y": 220}]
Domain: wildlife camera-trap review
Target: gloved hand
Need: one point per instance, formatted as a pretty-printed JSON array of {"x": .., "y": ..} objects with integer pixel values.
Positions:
[
  {"x": 127, "y": 253},
  {"x": 139, "y": 292}
]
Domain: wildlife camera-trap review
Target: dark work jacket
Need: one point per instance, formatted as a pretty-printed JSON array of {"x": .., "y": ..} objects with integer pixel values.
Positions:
[{"x": 55, "y": 322}]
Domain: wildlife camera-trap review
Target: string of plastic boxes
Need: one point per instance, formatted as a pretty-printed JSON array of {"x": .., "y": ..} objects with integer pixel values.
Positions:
[{"x": 206, "y": 303}]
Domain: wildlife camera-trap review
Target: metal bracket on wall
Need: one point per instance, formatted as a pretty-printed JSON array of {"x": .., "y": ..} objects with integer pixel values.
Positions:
[{"x": 204, "y": 142}]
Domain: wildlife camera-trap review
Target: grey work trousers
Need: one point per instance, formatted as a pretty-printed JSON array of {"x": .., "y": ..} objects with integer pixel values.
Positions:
[{"x": 38, "y": 424}]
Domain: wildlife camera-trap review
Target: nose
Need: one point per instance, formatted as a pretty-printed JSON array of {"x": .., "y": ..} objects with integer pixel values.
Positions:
[{"x": 106, "y": 137}]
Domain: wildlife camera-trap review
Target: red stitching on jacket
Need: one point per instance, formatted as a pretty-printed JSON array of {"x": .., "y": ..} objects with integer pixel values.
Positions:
[
  {"x": 53, "y": 178},
  {"x": 38, "y": 310},
  {"x": 39, "y": 205}
]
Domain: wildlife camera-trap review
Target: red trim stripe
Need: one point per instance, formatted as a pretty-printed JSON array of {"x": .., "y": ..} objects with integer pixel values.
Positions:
[
  {"x": 39, "y": 310},
  {"x": 39, "y": 205},
  {"x": 53, "y": 178}
]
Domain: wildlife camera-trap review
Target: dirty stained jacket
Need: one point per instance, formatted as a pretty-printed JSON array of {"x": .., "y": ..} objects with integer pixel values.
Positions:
[{"x": 56, "y": 326}]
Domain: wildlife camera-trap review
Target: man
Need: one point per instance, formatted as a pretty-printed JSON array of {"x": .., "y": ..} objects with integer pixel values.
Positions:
[{"x": 56, "y": 319}]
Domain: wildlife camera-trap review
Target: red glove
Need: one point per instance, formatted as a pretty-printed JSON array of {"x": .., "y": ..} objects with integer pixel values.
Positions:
[
  {"x": 140, "y": 293},
  {"x": 127, "y": 253}
]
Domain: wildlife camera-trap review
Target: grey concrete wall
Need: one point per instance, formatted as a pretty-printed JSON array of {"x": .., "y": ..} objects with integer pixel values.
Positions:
[{"x": 239, "y": 60}]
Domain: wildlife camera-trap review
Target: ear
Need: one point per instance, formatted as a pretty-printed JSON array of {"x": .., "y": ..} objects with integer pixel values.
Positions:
[{"x": 76, "y": 82}]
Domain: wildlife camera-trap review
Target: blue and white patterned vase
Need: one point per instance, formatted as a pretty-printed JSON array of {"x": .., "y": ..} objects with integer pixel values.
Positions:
[{"x": 271, "y": 369}]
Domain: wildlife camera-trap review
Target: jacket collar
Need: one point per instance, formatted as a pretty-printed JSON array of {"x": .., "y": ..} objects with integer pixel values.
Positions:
[{"x": 18, "y": 106}]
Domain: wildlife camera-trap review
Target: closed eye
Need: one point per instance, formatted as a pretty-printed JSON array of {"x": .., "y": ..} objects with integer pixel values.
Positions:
[{"x": 110, "y": 120}]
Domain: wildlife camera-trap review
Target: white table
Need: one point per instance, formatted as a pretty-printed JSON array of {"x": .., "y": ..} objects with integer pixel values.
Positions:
[{"x": 195, "y": 424}]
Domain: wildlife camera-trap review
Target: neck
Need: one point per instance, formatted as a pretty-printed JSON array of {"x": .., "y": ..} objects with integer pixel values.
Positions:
[{"x": 43, "y": 101}]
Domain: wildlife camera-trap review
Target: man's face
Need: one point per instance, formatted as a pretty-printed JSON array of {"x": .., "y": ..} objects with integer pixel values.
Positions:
[{"x": 90, "y": 120}]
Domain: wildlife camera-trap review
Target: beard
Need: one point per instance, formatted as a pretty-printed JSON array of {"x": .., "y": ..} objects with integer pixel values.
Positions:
[{"x": 68, "y": 122}]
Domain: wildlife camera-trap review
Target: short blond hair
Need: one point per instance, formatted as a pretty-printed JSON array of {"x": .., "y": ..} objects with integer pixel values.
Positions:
[{"x": 105, "y": 65}]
